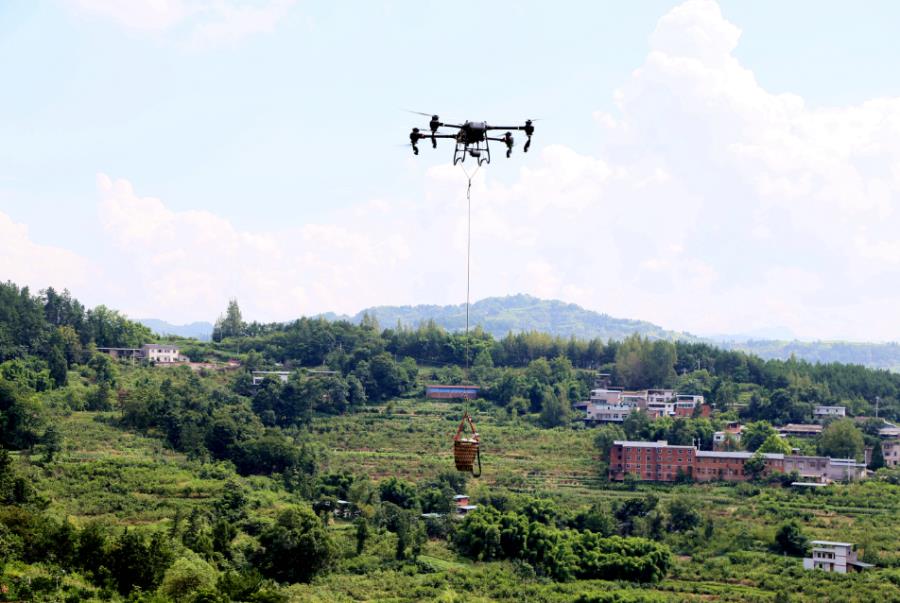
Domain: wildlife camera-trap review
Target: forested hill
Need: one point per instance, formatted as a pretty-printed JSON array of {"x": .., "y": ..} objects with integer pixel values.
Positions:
[
  {"x": 520, "y": 313},
  {"x": 524, "y": 313},
  {"x": 872, "y": 355}
]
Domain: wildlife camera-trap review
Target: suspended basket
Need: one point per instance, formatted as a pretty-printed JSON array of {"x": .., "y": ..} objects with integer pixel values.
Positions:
[{"x": 466, "y": 449}]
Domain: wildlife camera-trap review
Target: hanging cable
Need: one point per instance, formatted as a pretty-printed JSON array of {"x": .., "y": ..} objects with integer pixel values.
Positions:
[{"x": 468, "y": 253}]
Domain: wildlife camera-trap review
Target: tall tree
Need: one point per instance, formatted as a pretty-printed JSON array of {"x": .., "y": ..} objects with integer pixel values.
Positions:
[
  {"x": 877, "y": 461},
  {"x": 842, "y": 439},
  {"x": 230, "y": 325},
  {"x": 774, "y": 444}
]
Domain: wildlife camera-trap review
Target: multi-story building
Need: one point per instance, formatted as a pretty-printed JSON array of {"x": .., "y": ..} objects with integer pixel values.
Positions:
[
  {"x": 160, "y": 353},
  {"x": 660, "y": 462},
  {"x": 891, "y": 451},
  {"x": 838, "y": 557},
  {"x": 613, "y": 405},
  {"x": 607, "y": 413},
  {"x": 824, "y": 412},
  {"x": 650, "y": 461},
  {"x": 606, "y": 395}
]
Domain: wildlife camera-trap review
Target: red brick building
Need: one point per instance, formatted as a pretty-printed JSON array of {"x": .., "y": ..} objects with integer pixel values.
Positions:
[
  {"x": 729, "y": 466},
  {"x": 650, "y": 461},
  {"x": 660, "y": 462}
]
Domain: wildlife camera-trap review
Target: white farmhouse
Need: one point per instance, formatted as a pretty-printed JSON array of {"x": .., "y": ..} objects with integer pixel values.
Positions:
[
  {"x": 838, "y": 557},
  {"x": 160, "y": 353}
]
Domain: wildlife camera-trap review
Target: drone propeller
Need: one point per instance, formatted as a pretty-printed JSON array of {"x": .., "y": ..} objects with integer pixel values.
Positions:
[{"x": 419, "y": 113}]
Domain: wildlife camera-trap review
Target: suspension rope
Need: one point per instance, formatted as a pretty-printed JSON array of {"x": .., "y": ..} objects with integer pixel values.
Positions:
[{"x": 469, "y": 177}]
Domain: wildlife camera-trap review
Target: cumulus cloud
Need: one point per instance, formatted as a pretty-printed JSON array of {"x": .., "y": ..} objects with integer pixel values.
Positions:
[
  {"x": 198, "y": 22},
  {"x": 26, "y": 262},
  {"x": 714, "y": 205}
]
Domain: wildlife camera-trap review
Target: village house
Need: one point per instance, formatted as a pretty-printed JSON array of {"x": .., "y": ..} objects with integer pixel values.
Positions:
[
  {"x": 826, "y": 412},
  {"x": 800, "y": 430},
  {"x": 160, "y": 353},
  {"x": 446, "y": 392},
  {"x": 838, "y": 557},
  {"x": 891, "y": 451},
  {"x": 613, "y": 405},
  {"x": 731, "y": 432}
]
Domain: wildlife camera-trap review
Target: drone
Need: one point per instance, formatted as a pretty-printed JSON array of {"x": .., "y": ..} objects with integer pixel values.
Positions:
[{"x": 471, "y": 138}]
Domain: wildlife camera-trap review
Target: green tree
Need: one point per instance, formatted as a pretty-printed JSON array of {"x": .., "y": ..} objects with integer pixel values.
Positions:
[
  {"x": 59, "y": 369},
  {"x": 774, "y": 444},
  {"x": 230, "y": 325},
  {"x": 186, "y": 576},
  {"x": 362, "y": 533},
  {"x": 52, "y": 443},
  {"x": 606, "y": 435},
  {"x": 641, "y": 363},
  {"x": 756, "y": 433},
  {"x": 555, "y": 410},
  {"x": 683, "y": 515},
  {"x": 755, "y": 466},
  {"x": 789, "y": 539},
  {"x": 401, "y": 493},
  {"x": 296, "y": 547},
  {"x": 877, "y": 457},
  {"x": 841, "y": 439}
]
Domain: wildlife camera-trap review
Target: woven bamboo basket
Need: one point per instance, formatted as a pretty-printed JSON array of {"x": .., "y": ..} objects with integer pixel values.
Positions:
[
  {"x": 465, "y": 449},
  {"x": 464, "y": 452}
]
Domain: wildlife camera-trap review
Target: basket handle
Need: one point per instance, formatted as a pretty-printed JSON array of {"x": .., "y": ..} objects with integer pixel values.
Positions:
[{"x": 462, "y": 426}]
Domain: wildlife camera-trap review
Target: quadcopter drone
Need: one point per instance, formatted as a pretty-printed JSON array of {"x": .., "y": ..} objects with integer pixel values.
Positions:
[{"x": 471, "y": 138}]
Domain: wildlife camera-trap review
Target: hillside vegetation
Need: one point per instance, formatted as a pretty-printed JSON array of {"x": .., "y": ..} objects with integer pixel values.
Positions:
[
  {"x": 127, "y": 481},
  {"x": 500, "y": 316}
]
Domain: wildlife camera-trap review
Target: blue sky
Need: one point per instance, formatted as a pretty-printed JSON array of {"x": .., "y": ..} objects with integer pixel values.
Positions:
[{"x": 163, "y": 155}]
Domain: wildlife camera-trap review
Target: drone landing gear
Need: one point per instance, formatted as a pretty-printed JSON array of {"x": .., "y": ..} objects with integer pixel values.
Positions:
[{"x": 481, "y": 153}]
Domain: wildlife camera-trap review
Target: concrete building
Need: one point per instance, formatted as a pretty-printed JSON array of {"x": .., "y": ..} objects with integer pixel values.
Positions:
[
  {"x": 731, "y": 432},
  {"x": 838, "y": 557},
  {"x": 606, "y": 395},
  {"x": 606, "y": 413},
  {"x": 891, "y": 450},
  {"x": 260, "y": 376},
  {"x": 614, "y": 405},
  {"x": 825, "y": 412},
  {"x": 160, "y": 353}
]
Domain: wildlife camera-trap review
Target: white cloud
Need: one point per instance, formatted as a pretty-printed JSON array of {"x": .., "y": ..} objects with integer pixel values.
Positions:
[
  {"x": 198, "y": 22},
  {"x": 713, "y": 206},
  {"x": 25, "y": 262}
]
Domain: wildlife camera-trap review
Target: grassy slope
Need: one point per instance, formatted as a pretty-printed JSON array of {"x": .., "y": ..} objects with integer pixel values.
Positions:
[{"x": 133, "y": 479}]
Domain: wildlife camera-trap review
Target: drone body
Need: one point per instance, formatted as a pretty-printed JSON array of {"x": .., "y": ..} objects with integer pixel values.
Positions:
[{"x": 472, "y": 138}]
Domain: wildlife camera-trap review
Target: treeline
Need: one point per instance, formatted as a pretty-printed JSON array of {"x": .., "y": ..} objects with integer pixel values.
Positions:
[
  {"x": 778, "y": 391},
  {"x": 57, "y": 329}
]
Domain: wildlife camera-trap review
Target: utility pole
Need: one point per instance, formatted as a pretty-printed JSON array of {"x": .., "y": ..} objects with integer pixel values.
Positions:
[{"x": 877, "y": 400}]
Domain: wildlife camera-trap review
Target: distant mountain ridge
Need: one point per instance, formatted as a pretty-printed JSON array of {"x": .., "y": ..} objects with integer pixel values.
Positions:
[
  {"x": 518, "y": 313},
  {"x": 198, "y": 330}
]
